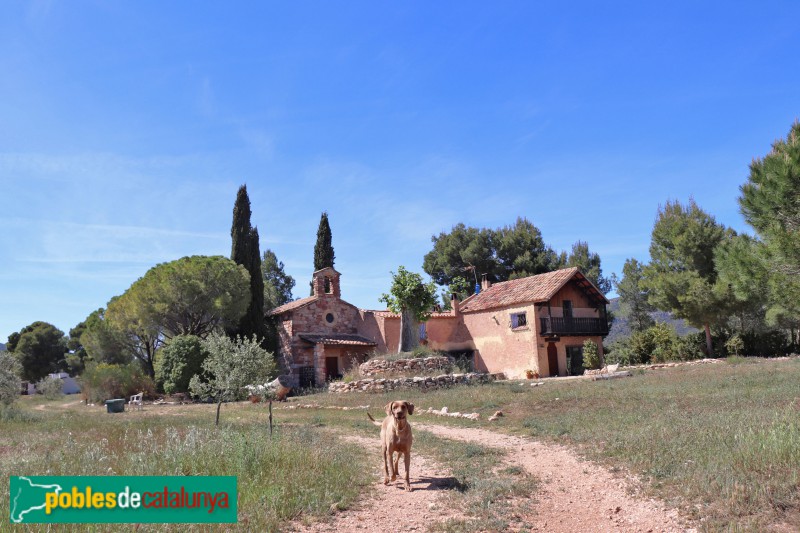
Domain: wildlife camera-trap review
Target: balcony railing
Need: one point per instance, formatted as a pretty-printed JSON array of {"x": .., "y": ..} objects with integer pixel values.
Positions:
[{"x": 573, "y": 326}]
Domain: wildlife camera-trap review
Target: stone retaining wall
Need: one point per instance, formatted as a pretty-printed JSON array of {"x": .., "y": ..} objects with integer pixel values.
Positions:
[
  {"x": 385, "y": 385},
  {"x": 421, "y": 365}
]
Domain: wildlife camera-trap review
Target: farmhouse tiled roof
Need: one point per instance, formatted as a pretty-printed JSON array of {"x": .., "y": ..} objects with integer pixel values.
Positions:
[
  {"x": 291, "y": 306},
  {"x": 533, "y": 289},
  {"x": 337, "y": 338}
]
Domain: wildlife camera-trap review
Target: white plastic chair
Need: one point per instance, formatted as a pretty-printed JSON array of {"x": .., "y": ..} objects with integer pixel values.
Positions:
[{"x": 136, "y": 401}]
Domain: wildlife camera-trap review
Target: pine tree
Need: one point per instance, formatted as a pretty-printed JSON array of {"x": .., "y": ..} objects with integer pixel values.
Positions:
[
  {"x": 681, "y": 275},
  {"x": 770, "y": 202},
  {"x": 245, "y": 252},
  {"x": 633, "y": 303},
  {"x": 589, "y": 263}
]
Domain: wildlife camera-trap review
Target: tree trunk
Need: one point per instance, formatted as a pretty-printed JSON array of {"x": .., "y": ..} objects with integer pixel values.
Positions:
[
  {"x": 709, "y": 347},
  {"x": 407, "y": 336},
  {"x": 219, "y": 406}
]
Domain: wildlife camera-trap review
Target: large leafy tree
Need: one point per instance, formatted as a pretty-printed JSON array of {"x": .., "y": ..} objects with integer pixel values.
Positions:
[
  {"x": 504, "y": 253},
  {"x": 681, "y": 275},
  {"x": 414, "y": 300},
  {"x": 278, "y": 284},
  {"x": 77, "y": 352},
  {"x": 633, "y": 298},
  {"x": 589, "y": 263},
  {"x": 190, "y": 296},
  {"x": 102, "y": 342},
  {"x": 463, "y": 252},
  {"x": 743, "y": 277},
  {"x": 521, "y": 251},
  {"x": 245, "y": 252},
  {"x": 40, "y": 350}
]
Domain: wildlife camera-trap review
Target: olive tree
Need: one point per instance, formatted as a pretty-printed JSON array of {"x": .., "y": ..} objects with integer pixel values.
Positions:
[
  {"x": 414, "y": 300},
  {"x": 231, "y": 365},
  {"x": 9, "y": 378}
]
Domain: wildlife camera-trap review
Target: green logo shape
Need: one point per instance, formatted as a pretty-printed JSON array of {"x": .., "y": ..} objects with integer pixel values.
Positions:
[{"x": 122, "y": 499}]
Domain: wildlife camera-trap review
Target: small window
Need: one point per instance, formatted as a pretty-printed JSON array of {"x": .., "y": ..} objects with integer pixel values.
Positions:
[
  {"x": 327, "y": 286},
  {"x": 519, "y": 320},
  {"x": 329, "y": 318},
  {"x": 567, "y": 309}
]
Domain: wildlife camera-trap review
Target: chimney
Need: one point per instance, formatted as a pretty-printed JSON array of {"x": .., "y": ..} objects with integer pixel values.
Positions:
[
  {"x": 454, "y": 303},
  {"x": 485, "y": 283}
]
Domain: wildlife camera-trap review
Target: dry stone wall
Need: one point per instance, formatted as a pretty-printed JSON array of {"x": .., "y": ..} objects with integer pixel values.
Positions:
[
  {"x": 386, "y": 385},
  {"x": 423, "y": 365}
]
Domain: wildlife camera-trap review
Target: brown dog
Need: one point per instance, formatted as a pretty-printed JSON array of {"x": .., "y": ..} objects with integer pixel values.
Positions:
[{"x": 396, "y": 438}]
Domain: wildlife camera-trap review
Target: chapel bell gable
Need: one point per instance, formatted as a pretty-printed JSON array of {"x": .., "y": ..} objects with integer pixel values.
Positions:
[{"x": 326, "y": 283}]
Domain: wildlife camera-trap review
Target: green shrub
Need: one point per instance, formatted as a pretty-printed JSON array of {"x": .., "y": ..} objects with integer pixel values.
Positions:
[
  {"x": 591, "y": 355},
  {"x": 656, "y": 344},
  {"x": 663, "y": 337},
  {"x": 51, "y": 388},
  {"x": 10, "y": 384},
  {"x": 102, "y": 381},
  {"x": 691, "y": 346},
  {"x": 178, "y": 361},
  {"x": 735, "y": 344},
  {"x": 766, "y": 343},
  {"x": 424, "y": 351}
]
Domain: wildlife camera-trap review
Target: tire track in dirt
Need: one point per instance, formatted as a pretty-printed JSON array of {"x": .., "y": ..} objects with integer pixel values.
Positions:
[
  {"x": 574, "y": 495},
  {"x": 390, "y": 507}
]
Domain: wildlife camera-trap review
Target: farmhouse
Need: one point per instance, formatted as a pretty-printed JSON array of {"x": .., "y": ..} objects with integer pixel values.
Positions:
[{"x": 537, "y": 323}]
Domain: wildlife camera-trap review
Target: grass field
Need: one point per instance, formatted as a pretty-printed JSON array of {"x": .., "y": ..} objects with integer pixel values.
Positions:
[
  {"x": 300, "y": 471},
  {"x": 720, "y": 442}
]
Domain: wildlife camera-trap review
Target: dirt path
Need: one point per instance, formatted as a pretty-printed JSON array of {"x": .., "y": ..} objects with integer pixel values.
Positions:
[
  {"x": 44, "y": 407},
  {"x": 574, "y": 495},
  {"x": 391, "y": 508}
]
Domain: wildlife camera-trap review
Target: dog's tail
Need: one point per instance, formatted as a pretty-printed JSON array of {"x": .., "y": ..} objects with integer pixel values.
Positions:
[{"x": 373, "y": 420}]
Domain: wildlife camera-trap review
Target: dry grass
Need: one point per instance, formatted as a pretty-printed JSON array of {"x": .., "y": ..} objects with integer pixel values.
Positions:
[{"x": 276, "y": 480}]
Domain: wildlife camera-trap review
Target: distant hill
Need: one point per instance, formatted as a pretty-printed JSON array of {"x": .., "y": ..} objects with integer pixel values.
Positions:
[
  {"x": 2, "y": 347},
  {"x": 620, "y": 328}
]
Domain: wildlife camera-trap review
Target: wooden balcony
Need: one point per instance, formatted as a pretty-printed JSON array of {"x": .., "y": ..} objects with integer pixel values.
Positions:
[{"x": 573, "y": 326}]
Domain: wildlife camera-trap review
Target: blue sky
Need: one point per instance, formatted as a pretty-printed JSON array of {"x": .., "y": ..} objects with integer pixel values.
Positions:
[{"x": 127, "y": 127}]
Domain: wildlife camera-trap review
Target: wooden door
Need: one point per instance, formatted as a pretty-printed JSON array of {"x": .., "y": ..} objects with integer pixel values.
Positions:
[
  {"x": 552, "y": 359},
  {"x": 331, "y": 368}
]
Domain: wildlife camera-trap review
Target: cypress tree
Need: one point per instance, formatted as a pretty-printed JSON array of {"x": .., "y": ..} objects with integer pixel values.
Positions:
[
  {"x": 240, "y": 230},
  {"x": 245, "y": 251},
  {"x": 323, "y": 250}
]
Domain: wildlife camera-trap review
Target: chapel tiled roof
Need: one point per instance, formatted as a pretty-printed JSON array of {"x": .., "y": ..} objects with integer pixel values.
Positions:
[
  {"x": 390, "y": 314},
  {"x": 337, "y": 338},
  {"x": 533, "y": 289},
  {"x": 291, "y": 306}
]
